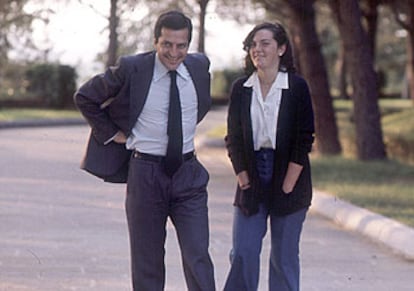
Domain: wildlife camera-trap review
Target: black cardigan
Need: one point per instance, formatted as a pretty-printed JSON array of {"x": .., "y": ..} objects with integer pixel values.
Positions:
[{"x": 294, "y": 138}]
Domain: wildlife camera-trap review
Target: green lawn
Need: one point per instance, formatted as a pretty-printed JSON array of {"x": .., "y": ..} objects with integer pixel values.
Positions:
[
  {"x": 385, "y": 187},
  {"x": 29, "y": 114}
]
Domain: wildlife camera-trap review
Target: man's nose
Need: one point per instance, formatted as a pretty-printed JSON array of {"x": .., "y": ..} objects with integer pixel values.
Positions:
[{"x": 174, "y": 50}]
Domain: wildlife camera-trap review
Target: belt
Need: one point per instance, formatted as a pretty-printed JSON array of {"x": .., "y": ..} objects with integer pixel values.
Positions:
[{"x": 159, "y": 159}]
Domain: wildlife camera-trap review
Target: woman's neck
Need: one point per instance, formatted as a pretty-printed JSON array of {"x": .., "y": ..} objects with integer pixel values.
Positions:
[{"x": 266, "y": 79}]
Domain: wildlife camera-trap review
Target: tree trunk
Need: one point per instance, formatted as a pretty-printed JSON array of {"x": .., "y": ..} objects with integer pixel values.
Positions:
[
  {"x": 371, "y": 16},
  {"x": 112, "y": 51},
  {"x": 314, "y": 69},
  {"x": 342, "y": 74},
  {"x": 410, "y": 53},
  {"x": 369, "y": 139},
  {"x": 202, "y": 28},
  {"x": 404, "y": 15}
]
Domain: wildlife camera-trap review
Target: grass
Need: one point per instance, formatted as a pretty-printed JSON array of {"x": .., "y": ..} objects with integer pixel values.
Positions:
[
  {"x": 384, "y": 187},
  {"x": 29, "y": 114}
]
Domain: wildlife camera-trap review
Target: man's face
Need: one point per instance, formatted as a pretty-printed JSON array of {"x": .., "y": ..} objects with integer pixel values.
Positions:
[{"x": 172, "y": 47}]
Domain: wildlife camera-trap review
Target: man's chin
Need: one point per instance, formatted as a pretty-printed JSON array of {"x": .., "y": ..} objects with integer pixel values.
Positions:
[{"x": 173, "y": 66}]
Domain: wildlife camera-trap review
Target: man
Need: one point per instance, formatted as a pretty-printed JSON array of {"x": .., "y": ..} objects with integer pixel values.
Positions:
[{"x": 128, "y": 109}]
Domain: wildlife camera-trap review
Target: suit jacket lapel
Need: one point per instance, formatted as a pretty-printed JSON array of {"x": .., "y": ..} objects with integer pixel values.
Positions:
[
  {"x": 201, "y": 86},
  {"x": 139, "y": 85}
]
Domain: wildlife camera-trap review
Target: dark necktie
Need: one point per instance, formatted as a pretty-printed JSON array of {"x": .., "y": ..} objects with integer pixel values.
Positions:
[{"x": 174, "y": 156}]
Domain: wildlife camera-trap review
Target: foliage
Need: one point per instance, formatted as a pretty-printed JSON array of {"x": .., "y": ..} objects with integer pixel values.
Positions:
[
  {"x": 13, "y": 20},
  {"x": 399, "y": 134},
  {"x": 12, "y": 84},
  {"x": 222, "y": 81},
  {"x": 397, "y": 119},
  {"x": 53, "y": 83},
  {"x": 20, "y": 114}
]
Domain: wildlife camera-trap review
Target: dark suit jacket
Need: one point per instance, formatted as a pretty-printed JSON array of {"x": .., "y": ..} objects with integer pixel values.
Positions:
[
  {"x": 294, "y": 138},
  {"x": 113, "y": 101}
]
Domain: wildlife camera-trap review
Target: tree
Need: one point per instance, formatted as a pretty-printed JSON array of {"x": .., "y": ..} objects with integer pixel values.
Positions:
[
  {"x": 369, "y": 139},
  {"x": 202, "y": 21},
  {"x": 16, "y": 37},
  {"x": 15, "y": 23},
  {"x": 313, "y": 67},
  {"x": 404, "y": 14},
  {"x": 369, "y": 9},
  {"x": 112, "y": 51}
]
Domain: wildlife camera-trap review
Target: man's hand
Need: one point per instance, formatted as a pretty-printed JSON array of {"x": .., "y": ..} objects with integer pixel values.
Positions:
[{"x": 120, "y": 137}]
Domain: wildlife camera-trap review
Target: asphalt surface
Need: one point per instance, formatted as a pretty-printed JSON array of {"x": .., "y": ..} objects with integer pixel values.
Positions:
[{"x": 62, "y": 229}]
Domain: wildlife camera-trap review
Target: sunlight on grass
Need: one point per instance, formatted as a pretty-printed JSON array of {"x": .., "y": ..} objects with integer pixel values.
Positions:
[
  {"x": 217, "y": 132},
  {"x": 29, "y": 114},
  {"x": 385, "y": 187}
]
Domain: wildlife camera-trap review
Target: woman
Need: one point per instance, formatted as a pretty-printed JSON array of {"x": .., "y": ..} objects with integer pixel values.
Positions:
[{"x": 269, "y": 136}]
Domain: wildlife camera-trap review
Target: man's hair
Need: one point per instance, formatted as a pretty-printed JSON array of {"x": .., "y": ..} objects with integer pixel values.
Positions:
[{"x": 175, "y": 20}]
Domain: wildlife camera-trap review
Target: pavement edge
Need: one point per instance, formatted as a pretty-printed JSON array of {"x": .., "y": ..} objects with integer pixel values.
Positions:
[{"x": 395, "y": 235}]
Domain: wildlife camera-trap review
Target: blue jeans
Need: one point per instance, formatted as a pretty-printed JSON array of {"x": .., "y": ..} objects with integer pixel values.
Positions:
[{"x": 248, "y": 234}]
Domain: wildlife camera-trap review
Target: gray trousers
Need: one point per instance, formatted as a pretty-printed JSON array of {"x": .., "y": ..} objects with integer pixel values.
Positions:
[{"x": 152, "y": 197}]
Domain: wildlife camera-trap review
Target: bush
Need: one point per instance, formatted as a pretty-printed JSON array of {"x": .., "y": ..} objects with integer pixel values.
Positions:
[
  {"x": 222, "y": 81},
  {"x": 54, "y": 84}
]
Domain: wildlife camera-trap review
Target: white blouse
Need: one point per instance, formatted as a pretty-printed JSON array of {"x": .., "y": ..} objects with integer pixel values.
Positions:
[{"x": 265, "y": 111}]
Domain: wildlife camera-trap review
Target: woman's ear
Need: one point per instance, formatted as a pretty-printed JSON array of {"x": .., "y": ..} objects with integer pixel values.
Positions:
[{"x": 281, "y": 50}]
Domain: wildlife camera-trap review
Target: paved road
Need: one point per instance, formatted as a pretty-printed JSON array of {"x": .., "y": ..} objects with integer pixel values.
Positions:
[{"x": 61, "y": 229}]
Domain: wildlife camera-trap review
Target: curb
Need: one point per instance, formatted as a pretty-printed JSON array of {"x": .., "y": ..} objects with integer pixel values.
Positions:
[{"x": 391, "y": 233}]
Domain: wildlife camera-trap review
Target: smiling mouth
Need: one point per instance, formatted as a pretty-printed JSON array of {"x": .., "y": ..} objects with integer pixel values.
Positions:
[{"x": 258, "y": 57}]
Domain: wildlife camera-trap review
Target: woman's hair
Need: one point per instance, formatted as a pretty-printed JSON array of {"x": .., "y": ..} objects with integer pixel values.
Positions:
[
  {"x": 281, "y": 37},
  {"x": 173, "y": 20}
]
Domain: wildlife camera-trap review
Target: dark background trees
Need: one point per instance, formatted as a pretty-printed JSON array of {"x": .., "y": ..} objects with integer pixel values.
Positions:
[{"x": 360, "y": 60}]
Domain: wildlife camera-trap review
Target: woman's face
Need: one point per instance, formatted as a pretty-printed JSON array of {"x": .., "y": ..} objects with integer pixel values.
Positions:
[{"x": 264, "y": 50}]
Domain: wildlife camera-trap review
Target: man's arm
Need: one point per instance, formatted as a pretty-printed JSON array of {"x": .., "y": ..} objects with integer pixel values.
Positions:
[{"x": 92, "y": 99}]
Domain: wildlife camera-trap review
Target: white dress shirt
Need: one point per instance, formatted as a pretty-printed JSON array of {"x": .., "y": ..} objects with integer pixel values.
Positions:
[
  {"x": 265, "y": 111},
  {"x": 149, "y": 135}
]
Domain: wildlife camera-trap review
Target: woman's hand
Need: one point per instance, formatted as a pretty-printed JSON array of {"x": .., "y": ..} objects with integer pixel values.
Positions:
[
  {"x": 292, "y": 176},
  {"x": 243, "y": 180}
]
